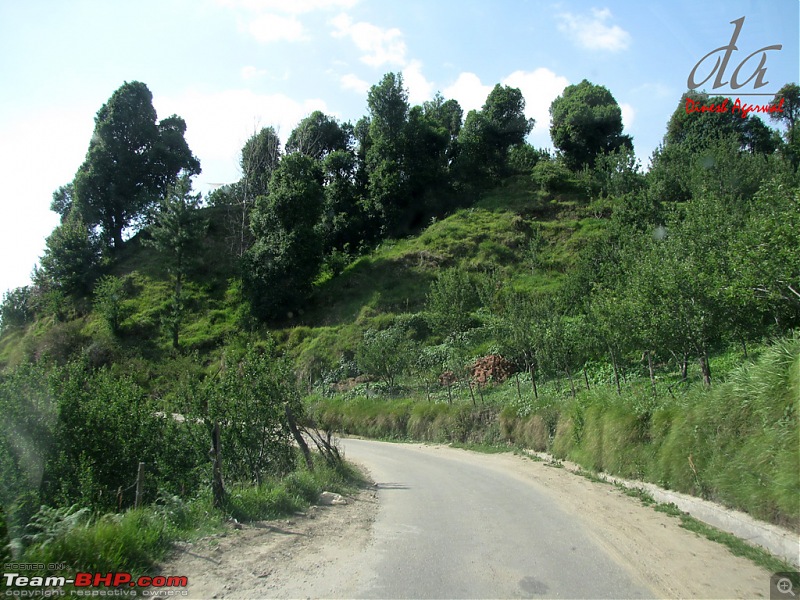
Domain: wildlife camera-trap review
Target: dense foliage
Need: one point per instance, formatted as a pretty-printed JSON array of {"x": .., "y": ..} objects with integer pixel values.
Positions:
[{"x": 394, "y": 253}]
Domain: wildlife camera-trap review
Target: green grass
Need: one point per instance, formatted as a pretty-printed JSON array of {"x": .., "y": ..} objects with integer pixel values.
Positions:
[
  {"x": 737, "y": 444},
  {"x": 136, "y": 539}
]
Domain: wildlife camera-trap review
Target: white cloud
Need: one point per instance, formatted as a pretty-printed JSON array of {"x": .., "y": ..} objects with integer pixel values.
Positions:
[
  {"x": 352, "y": 82},
  {"x": 539, "y": 88},
  {"x": 268, "y": 28},
  {"x": 628, "y": 115},
  {"x": 276, "y": 20},
  {"x": 419, "y": 88},
  {"x": 250, "y": 72},
  {"x": 32, "y": 171},
  {"x": 380, "y": 46},
  {"x": 593, "y": 32},
  {"x": 289, "y": 6},
  {"x": 469, "y": 91},
  {"x": 218, "y": 124}
]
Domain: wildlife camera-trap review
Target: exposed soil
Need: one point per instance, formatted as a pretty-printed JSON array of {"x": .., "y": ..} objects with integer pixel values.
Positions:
[{"x": 276, "y": 559}]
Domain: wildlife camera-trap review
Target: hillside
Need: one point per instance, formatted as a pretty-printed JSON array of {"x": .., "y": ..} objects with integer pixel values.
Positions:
[
  {"x": 394, "y": 278},
  {"x": 479, "y": 292}
]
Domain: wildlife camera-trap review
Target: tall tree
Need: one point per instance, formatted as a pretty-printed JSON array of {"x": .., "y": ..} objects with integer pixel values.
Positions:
[
  {"x": 586, "y": 121},
  {"x": 788, "y": 99},
  {"x": 487, "y": 135},
  {"x": 318, "y": 135},
  {"x": 131, "y": 160},
  {"x": 385, "y": 156},
  {"x": 71, "y": 257},
  {"x": 260, "y": 156},
  {"x": 176, "y": 235},
  {"x": 342, "y": 220},
  {"x": 696, "y": 131},
  {"x": 285, "y": 257}
]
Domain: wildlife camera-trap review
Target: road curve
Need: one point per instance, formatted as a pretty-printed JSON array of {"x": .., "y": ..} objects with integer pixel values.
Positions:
[
  {"x": 449, "y": 523},
  {"x": 451, "y": 526}
]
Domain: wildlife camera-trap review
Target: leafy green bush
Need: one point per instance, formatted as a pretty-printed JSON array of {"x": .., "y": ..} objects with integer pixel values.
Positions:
[
  {"x": 16, "y": 310},
  {"x": 109, "y": 292},
  {"x": 551, "y": 176}
]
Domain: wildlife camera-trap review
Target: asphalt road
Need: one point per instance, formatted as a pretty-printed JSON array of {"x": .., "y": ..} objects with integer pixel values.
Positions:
[{"x": 451, "y": 526}]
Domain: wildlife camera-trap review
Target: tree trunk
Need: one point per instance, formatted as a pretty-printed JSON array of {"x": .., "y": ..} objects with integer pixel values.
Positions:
[
  {"x": 217, "y": 485},
  {"x": 652, "y": 371},
  {"x": 744, "y": 348},
  {"x": 571, "y": 382},
  {"x": 705, "y": 368},
  {"x": 616, "y": 370},
  {"x": 519, "y": 391},
  {"x": 139, "y": 486},
  {"x": 471, "y": 393},
  {"x": 480, "y": 393},
  {"x": 586, "y": 378},
  {"x": 176, "y": 323},
  {"x": 298, "y": 437},
  {"x": 685, "y": 368},
  {"x": 532, "y": 370}
]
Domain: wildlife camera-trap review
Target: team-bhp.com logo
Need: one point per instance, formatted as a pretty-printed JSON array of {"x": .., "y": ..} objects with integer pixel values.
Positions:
[
  {"x": 93, "y": 584},
  {"x": 722, "y": 57}
]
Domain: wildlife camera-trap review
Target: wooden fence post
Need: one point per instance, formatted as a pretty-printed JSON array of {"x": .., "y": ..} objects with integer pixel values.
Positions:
[{"x": 139, "y": 486}]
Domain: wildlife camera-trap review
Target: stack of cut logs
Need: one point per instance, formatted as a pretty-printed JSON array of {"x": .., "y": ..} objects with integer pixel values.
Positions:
[{"x": 489, "y": 368}]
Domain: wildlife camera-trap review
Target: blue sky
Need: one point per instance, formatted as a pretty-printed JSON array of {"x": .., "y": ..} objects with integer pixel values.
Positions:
[{"x": 230, "y": 67}]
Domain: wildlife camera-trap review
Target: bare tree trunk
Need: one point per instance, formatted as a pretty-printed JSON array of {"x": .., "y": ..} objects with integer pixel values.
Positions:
[
  {"x": 139, "y": 486},
  {"x": 586, "y": 378},
  {"x": 298, "y": 437},
  {"x": 519, "y": 392},
  {"x": 217, "y": 485},
  {"x": 532, "y": 370},
  {"x": 652, "y": 371},
  {"x": 571, "y": 382},
  {"x": 616, "y": 370},
  {"x": 480, "y": 393},
  {"x": 471, "y": 393},
  {"x": 705, "y": 368}
]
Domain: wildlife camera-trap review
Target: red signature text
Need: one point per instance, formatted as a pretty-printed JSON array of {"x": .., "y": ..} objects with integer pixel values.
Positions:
[{"x": 737, "y": 108}]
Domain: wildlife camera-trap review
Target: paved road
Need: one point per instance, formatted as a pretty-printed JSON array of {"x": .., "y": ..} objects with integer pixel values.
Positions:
[{"x": 451, "y": 526}]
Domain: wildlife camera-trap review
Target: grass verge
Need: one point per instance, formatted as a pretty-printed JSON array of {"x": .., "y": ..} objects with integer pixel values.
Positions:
[{"x": 134, "y": 541}]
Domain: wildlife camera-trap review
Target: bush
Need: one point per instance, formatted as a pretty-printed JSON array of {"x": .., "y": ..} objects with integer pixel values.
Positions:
[
  {"x": 109, "y": 293},
  {"x": 16, "y": 309},
  {"x": 551, "y": 176}
]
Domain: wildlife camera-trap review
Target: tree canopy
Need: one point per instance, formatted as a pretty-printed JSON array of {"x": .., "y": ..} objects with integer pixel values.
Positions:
[
  {"x": 132, "y": 159},
  {"x": 586, "y": 121}
]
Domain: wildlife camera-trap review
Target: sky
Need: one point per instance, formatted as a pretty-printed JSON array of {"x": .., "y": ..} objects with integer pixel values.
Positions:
[{"x": 231, "y": 67}]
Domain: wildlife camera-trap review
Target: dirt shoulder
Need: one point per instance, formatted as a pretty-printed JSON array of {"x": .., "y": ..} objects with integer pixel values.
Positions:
[{"x": 276, "y": 559}]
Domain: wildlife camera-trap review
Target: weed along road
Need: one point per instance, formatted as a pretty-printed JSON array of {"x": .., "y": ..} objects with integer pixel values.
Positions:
[
  {"x": 450, "y": 523},
  {"x": 459, "y": 524}
]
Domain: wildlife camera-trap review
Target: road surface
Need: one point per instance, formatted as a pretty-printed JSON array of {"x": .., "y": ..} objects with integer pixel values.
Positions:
[
  {"x": 449, "y": 523},
  {"x": 451, "y": 526}
]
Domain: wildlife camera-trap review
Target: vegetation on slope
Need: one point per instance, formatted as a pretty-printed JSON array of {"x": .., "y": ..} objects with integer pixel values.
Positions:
[{"x": 368, "y": 267}]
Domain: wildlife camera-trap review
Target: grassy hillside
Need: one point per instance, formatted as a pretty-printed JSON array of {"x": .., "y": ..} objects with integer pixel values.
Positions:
[{"x": 516, "y": 235}]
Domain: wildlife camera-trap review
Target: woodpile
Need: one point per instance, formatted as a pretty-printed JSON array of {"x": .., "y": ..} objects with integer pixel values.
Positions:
[
  {"x": 447, "y": 379},
  {"x": 492, "y": 368}
]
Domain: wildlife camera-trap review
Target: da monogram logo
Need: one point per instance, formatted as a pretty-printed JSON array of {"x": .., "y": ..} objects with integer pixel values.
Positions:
[{"x": 720, "y": 67}]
